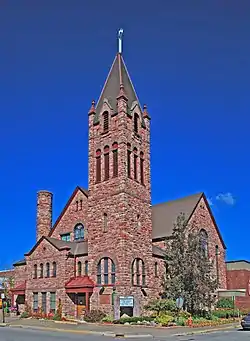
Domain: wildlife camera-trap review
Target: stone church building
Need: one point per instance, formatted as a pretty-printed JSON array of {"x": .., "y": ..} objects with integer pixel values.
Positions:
[{"x": 106, "y": 249}]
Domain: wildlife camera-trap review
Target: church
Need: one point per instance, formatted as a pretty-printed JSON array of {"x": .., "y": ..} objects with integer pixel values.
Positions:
[{"x": 106, "y": 249}]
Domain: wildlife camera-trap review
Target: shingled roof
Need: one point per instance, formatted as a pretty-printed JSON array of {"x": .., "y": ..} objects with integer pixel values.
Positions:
[
  {"x": 118, "y": 75},
  {"x": 164, "y": 215}
]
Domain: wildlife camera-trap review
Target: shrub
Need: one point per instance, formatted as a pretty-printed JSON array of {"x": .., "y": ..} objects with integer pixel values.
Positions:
[
  {"x": 25, "y": 315},
  {"x": 164, "y": 320},
  {"x": 181, "y": 321},
  {"x": 108, "y": 319},
  {"x": 134, "y": 319},
  {"x": 161, "y": 305},
  {"x": 227, "y": 313},
  {"x": 57, "y": 317},
  {"x": 225, "y": 302},
  {"x": 94, "y": 316}
]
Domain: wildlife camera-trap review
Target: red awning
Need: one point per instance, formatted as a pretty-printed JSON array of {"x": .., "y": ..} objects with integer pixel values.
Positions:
[
  {"x": 79, "y": 284},
  {"x": 19, "y": 289}
]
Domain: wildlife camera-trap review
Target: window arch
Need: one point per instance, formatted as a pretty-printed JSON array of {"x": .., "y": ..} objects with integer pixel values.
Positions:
[
  {"x": 35, "y": 271},
  {"x": 41, "y": 270},
  {"x": 79, "y": 268},
  {"x": 204, "y": 242},
  {"x": 106, "y": 271},
  {"x": 98, "y": 166},
  {"x": 54, "y": 269},
  {"x": 106, "y": 163},
  {"x": 138, "y": 272},
  {"x": 136, "y": 122},
  {"x": 115, "y": 159},
  {"x": 79, "y": 232},
  {"x": 47, "y": 270},
  {"x": 105, "y": 121}
]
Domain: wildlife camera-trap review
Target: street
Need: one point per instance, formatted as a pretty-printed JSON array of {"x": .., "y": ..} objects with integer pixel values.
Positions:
[{"x": 13, "y": 334}]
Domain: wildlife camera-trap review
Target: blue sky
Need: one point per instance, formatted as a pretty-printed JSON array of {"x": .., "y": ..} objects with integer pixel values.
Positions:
[{"x": 189, "y": 61}]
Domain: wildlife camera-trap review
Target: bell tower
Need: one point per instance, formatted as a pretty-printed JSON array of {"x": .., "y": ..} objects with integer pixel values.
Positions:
[{"x": 119, "y": 203}]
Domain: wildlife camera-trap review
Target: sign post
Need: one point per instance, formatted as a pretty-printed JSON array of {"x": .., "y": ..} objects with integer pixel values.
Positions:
[
  {"x": 179, "y": 304},
  {"x": 2, "y": 297}
]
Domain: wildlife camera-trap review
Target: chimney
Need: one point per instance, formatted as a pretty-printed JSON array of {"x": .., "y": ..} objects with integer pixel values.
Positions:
[{"x": 44, "y": 214}]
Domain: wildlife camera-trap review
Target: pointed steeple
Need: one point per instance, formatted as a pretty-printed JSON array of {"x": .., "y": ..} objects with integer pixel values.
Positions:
[{"x": 118, "y": 83}]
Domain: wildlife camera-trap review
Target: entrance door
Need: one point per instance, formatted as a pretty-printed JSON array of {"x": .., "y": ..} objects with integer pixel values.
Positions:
[{"x": 81, "y": 304}]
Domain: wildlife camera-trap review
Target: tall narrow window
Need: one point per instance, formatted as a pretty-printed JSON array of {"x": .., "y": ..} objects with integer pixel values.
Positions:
[
  {"x": 106, "y": 271},
  {"x": 138, "y": 275},
  {"x": 77, "y": 205},
  {"x": 136, "y": 121},
  {"x": 81, "y": 204},
  {"x": 106, "y": 163},
  {"x": 44, "y": 302},
  {"x": 47, "y": 270},
  {"x": 86, "y": 268},
  {"x": 156, "y": 269},
  {"x": 143, "y": 273},
  {"x": 79, "y": 232},
  {"x": 99, "y": 273},
  {"x": 112, "y": 272},
  {"x": 52, "y": 302},
  {"x": 115, "y": 159},
  {"x": 204, "y": 242},
  {"x": 142, "y": 168},
  {"x": 35, "y": 271},
  {"x": 41, "y": 270},
  {"x": 54, "y": 269},
  {"x": 79, "y": 268},
  {"x": 105, "y": 222},
  {"x": 98, "y": 166},
  {"x": 35, "y": 302},
  {"x": 135, "y": 164},
  {"x": 129, "y": 160},
  {"x": 105, "y": 121}
]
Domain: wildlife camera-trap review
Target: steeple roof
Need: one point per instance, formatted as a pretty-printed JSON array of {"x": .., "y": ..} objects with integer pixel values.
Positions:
[{"x": 118, "y": 78}]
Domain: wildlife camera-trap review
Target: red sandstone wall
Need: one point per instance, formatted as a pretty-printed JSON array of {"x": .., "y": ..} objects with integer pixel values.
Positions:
[
  {"x": 71, "y": 217},
  {"x": 240, "y": 279},
  {"x": 202, "y": 220},
  {"x": 20, "y": 274}
]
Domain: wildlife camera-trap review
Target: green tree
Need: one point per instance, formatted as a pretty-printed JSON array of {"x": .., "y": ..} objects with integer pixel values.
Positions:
[{"x": 189, "y": 272}]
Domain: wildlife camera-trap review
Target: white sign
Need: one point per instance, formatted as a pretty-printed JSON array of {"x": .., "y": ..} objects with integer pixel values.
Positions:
[
  {"x": 2, "y": 296},
  {"x": 126, "y": 301},
  {"x": 2, "y": 280}
]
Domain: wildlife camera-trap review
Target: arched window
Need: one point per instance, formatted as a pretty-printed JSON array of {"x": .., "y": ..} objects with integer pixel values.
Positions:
[
  {"x": 54, "y": 269},
  {"x": 105, "y": 121},
  {"x": 106, "y": 163},
  {"x": 136, "y": 122},
  {"x": 98, "y": 166},
  {"x": 79, "y": 268},
  {"x": 35, "y": 271},
  {"x": 142, "y": 168},
  {"x": 47, "y": 270},
  {"x": 79, "y": 232},
  {"x": 138, "y": 272},
  {"x": 204, "y": 242},
  {"x": 86, "y": 268},
  {"x": 105, "y": 271},
  {"x": 135, "y": 163},
  {"x": 41, "y": 270},
  {"x": 115, "y": 159},
  {"x": 129, "y": 160},
  {"x": 156, "y": 269}
]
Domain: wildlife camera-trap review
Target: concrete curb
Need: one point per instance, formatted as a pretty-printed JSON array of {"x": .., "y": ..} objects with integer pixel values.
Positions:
[
  {"x": 4, "y": 324},
  {"x": 207, "y": 331},
  {"x": 90, "y": 332}
]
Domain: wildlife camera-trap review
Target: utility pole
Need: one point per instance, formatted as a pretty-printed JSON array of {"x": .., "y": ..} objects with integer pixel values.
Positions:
[{"x": 2, "y": 297}]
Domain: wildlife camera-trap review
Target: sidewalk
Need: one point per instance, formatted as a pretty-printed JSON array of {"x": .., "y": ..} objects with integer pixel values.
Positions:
[{"x": 114, "y": 330}]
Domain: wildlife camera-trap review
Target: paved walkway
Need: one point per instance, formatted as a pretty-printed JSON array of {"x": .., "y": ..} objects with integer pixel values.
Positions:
[{"x": 113, "y": 330}]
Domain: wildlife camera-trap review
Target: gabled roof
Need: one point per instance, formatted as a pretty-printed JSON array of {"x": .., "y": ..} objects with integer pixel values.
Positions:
[
  {"x": 164, "y": 215},
  {"x": 80, "y": 282},
  {"x": 20, "y": 262},
  {"x": 118, "y": 75},
  {"x": 78, "y": 188}
]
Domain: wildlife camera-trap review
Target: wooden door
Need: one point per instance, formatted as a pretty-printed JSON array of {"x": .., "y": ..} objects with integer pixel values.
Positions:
[{"x": 81, "y": 304}]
